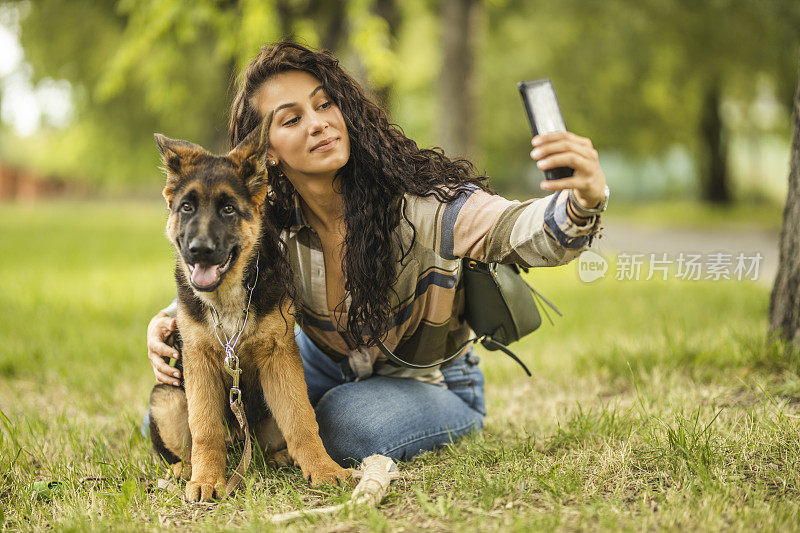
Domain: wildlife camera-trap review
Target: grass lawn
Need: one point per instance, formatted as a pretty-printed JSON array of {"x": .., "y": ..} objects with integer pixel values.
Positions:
[
  {"x": 654, "y": 405},
  {"x": 693, "y": 214}
]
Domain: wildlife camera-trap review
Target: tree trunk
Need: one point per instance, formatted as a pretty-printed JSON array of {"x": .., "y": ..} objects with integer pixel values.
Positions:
[
  {"x": 784, "y": 305},
  {"x": 388, "y": 10},
  {"x": 286, "y": 16},
  {"x": 333, "y": 28},
  {"x": 456, "y": 98},
  {"x": 715, "y": 170}
]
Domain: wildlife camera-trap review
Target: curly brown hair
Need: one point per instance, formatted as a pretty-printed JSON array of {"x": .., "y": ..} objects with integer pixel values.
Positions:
[{"x": 384, "y": 165}]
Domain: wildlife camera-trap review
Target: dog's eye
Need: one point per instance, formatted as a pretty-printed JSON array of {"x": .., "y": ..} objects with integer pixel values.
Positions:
[
  {"x": 228, "y": 210},
  {"x": 186, "y": 207}
]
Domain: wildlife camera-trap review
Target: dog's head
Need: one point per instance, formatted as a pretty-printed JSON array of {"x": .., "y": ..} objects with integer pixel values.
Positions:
[{"x": 215, "y": 207}]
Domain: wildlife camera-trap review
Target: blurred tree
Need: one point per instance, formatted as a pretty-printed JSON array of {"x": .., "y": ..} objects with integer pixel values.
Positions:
[
  {"x": 169, "y": 65},
  {"x": 722, "y": 46},
  {"x": 458, "y": 22},
  {"x": 784, "y": 305},
  {"x": 388, "y": 11},
  {"x": 110, "y": 139},
  {"x": 640, "y": 77}
]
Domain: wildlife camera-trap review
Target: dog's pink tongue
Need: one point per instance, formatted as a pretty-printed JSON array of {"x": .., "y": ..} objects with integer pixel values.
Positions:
[{"x": 205, "y": 275}]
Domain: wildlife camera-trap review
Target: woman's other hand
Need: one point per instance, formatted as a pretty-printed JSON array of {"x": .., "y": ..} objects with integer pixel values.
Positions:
[
  {"x": 159, "y": 329},
  {"x": 565, "y": 149}
]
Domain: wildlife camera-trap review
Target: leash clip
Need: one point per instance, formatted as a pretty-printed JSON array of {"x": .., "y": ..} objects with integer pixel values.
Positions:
[
  {"x": 232, "y": 368},
  {"x": 235, "y": 395}
]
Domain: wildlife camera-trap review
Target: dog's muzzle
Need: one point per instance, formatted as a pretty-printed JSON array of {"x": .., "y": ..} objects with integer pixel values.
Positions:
[{"x": 205, "y": 267}]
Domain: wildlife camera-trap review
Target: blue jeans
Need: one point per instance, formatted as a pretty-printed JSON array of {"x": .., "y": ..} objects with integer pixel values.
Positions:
[{"x": 396, "y": 417}]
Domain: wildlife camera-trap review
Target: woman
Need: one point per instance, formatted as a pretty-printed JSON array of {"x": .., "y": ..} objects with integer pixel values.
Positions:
[{"x": 374, "y": 229}]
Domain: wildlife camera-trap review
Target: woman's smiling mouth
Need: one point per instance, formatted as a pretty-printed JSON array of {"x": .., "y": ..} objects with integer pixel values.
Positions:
[{"x": 326, "y": 145}]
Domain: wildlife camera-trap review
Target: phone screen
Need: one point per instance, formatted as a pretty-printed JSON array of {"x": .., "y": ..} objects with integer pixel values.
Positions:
[
  {"x": 544, "y": 115},
  {"x": 544, "y": 107}
]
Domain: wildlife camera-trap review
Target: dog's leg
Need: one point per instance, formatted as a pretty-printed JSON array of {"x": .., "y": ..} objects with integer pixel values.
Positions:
[
  {"x": 285, "y": 391},
  {"x": 169, "y": 428},
  {"x": 205, "y": 395},
  {"x": 271, "y": 441}
]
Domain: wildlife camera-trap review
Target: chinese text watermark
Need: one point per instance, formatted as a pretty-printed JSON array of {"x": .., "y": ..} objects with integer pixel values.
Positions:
[{"x": 684, "y": 266}]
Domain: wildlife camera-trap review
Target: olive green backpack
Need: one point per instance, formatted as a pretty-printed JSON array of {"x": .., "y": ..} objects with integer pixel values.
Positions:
[{"x": 501, "y": 307}]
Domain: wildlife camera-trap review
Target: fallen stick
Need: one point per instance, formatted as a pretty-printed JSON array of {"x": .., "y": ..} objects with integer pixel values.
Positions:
[{"x": 376, "y": 473}]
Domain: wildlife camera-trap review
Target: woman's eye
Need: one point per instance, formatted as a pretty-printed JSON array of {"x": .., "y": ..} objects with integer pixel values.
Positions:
[
  {"x": 228, "y": 210},
  {"x": 295, "y": 120},
  {"x": 186, "y": 207}
]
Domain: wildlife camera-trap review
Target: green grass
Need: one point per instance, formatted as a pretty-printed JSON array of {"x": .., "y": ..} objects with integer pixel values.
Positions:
[
  {"x": 654, "y": 405},
  {"x": 763, "y": 215}
]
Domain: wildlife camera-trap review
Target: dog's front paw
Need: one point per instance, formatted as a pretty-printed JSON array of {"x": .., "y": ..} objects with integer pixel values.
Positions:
[
  {"x": 206, "y": 489},
  {"x": 328, "y": 472},
  {"x": 280, "y": 458},
  {"x": 182, "y": 471}
]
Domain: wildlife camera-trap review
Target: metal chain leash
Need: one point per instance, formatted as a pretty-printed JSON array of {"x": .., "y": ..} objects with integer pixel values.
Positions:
[
  {"x": 231, "y": 364},
  {"x": 229, "y": 345}
]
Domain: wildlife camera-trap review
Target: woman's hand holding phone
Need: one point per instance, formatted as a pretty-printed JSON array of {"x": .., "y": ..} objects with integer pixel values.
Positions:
[{"x": 565, "y": 149}]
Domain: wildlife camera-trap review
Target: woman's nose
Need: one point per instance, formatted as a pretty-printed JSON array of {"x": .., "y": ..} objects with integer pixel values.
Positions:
[{"x": 317, "y": 123}]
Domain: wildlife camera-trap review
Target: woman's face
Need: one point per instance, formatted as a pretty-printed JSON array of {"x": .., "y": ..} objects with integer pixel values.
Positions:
[{"x": 308, "y": 136}]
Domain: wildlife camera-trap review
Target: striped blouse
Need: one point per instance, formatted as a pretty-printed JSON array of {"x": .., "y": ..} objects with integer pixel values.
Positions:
[{"x": 428, "y": 298}]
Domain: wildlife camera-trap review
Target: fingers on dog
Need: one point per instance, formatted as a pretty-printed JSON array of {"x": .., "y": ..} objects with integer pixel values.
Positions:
[
  {"x": 167, "y": 377},
  {"x": 161, "y": 325},
  {"x": 161, "y": 350},
  {"x": 164, "y": 372},
  {"x": 166, "y": 325}
]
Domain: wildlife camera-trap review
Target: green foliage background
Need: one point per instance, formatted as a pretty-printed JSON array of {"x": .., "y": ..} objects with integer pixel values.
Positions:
[{"x": 629, "y": 75}]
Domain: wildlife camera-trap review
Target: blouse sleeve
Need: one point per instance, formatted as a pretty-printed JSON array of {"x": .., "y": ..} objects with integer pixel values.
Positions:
[
  {"x": 172, "y": 309},
  {"x": 491, "y": 228}
]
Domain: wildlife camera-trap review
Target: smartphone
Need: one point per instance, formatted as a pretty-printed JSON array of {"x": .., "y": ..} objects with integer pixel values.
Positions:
[{"x": 544, "y": 116}]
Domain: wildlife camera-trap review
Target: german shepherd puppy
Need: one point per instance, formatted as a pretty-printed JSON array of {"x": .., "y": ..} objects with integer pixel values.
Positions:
[{"x": 218, "y": 227}]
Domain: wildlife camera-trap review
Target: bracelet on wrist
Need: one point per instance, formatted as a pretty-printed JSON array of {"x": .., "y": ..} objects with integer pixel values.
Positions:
[
  {"x": 582, "y": 211},
  {"x": 581, "y": 220}
]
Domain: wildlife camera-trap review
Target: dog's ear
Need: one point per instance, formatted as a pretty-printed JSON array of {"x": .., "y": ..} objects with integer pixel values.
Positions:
[
  {"x": 250, "y": 156},
  {"x": 176, "y": 155}
]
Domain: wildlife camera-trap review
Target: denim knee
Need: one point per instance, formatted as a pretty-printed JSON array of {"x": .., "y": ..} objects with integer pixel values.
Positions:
[
  {"x": 395, "y": 417},
  {"x": 347, "y": 441}
]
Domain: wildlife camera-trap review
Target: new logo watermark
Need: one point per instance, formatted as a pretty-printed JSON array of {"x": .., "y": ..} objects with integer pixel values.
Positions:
[
  {"x": 591, "y": 266},
  {"x": 686, "y": 266}
]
